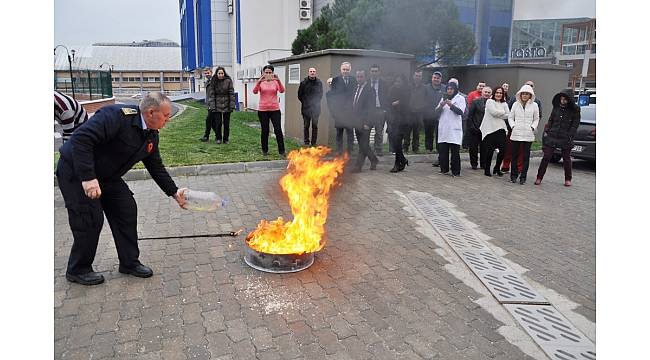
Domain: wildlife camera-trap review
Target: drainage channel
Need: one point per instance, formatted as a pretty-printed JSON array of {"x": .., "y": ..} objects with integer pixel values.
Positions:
[{"x": 552, "y": 332}]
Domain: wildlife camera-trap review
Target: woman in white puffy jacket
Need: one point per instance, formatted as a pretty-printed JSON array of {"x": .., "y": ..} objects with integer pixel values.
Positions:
[{"x": 523, "y": 119}]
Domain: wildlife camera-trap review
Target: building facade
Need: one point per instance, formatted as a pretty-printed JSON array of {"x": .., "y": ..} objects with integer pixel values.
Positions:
[
  {"x": 490, "y": 20},
  {"x": 240, "y": 35},
  {"x": 133, "y": 69},
  {"x": 557, "y": 32}
]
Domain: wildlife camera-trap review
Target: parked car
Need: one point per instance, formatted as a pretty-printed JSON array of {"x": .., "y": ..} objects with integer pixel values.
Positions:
[{"x": 584, "y": 143}]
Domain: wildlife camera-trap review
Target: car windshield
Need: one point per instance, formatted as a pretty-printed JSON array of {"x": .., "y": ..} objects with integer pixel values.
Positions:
[{"x": 588, "y": 114}]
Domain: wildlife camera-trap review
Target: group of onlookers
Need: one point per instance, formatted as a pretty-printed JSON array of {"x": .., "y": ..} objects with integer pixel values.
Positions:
[{"x": 484, "y": 121}]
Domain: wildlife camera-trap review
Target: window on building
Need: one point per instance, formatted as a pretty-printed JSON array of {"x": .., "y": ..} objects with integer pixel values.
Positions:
[
  {"x": 498, "y": 43},
  {"x": 294, "y": 74}
]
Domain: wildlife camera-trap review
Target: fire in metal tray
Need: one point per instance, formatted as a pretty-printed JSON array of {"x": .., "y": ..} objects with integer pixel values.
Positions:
[{"x": 290, "y": 246}]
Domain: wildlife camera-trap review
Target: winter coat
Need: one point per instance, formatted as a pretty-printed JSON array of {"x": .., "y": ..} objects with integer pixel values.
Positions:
[
  {"x": 418, "y": 101},
  {"x": 400, "y": 112},
  {"x": 475, "y": 116},
  {"x": 562, "y": 124},
  {"x": 220, "y": 95},
  {"x": 433, "y": 98},
  {"x": 496, "y": 115},
  {"x": 310, "y": 93},
  {"x": 339, "y": 100},
  {"x": 524, "y": 119}
]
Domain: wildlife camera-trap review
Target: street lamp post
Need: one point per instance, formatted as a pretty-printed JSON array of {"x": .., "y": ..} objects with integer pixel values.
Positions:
[{"x": 70, "y": 60}]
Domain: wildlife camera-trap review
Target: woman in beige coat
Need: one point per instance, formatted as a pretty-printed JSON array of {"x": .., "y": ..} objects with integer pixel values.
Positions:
[{"x": 523, "y": 119}]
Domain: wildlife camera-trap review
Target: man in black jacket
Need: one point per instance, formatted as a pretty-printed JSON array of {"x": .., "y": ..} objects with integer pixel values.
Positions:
[
  {"x": 209, "y": 101},
  {"x": 339, "y": 102},
  {"x": 310, "y": 93},
  {"x": 434, "y": 93},
  {"x": 418, "y": 106},
  {"x": 362, "y": 105},
  {"x": 381, "y": 106},
  {"x": 473, "y": 127},
  {"x": 89, "y": 174}
]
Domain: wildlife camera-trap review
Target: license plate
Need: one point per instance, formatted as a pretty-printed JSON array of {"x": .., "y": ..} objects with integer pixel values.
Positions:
[{"x": 577, "y": 148}]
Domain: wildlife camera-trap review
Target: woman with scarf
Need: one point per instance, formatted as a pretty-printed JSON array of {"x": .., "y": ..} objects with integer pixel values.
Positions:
[
  {"x": 450, "y": 128},
  {"x": 493, "y": 129},
  {"x": 558, "y": 134},
  {"x": 523, "y": 119}
]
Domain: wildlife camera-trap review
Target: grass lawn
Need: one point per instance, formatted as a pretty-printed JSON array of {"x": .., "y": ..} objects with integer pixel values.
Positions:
[{"x": 180, "y": 145}]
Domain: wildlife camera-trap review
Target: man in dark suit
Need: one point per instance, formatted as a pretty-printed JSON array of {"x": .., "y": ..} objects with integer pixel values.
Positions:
[
  {"x": 381, "y": 106},
  {"x": 90, "y": 173},
  {"x": 339, "y": 102},
  {"x": 362, "y": 107}
]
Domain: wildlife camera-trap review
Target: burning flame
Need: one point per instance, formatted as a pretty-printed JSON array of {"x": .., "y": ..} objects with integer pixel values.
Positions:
[{"x": 307, "y": 184}]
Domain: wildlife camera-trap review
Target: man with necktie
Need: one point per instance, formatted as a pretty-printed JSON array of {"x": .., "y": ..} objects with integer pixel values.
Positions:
[
  {"x": 380, "y": 110},
  {"x": 339, "y": 102},
  {"x": 362, "y": 105}
]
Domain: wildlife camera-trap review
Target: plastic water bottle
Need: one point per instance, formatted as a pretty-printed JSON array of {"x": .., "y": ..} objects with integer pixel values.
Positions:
[{"x": 203, "y": 201}]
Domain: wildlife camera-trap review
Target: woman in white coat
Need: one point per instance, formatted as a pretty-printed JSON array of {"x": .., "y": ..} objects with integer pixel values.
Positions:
[
  {"x": 523, "y": 119},
  {"x": 450, "y": 128},
  {"x": 493, "y": 129}
]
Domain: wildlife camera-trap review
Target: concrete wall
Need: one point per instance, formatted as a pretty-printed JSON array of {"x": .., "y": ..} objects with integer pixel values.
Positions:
[
  {"x": 327, "y": 64},
  {"x": 548, "y": 79},
  {"x": 94, "y": 105},
  {"x": 221, "y": 33}
]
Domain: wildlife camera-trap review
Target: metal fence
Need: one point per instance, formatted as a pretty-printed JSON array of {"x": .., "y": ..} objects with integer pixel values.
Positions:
[{"x": 88, "y": 84}]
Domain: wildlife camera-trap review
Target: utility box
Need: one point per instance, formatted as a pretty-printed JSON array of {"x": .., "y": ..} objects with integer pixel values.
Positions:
[{"x": 328, "y": 64}]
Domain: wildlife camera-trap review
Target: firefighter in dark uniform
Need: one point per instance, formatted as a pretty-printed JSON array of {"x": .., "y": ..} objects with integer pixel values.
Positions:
[{"x": 90, "y": 172}]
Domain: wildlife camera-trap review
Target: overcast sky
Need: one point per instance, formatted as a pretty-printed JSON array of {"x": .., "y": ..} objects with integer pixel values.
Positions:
[{"x": 83, "y": 22}]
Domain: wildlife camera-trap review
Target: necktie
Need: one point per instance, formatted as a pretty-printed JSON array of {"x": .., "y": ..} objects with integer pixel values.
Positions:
[
  {"x": 345, "y": 79},
  {"x": 376, "y": 87},
  {"x": 356, "y": 95}
]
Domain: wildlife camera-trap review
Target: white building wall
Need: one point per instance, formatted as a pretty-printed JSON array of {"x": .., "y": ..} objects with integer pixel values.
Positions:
[
  {"x": 221, "y": 35},
  {"x": 268, "y": 27}
]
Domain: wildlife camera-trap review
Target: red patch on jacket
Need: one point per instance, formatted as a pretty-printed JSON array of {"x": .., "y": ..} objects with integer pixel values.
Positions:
[{"x": 149, "y": 147}]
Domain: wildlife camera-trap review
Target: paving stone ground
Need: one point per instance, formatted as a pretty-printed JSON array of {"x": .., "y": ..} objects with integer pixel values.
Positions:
[{"x": 378, "y": 290}]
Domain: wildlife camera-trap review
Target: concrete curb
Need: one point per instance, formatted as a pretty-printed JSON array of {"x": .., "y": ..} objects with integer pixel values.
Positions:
[{"x": 258, "y": 166}]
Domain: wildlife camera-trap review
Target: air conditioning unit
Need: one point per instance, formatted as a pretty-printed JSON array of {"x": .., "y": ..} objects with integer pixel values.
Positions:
[
  {"x": 305, "y": 4},
  {"x": 305, "y": 14}
]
